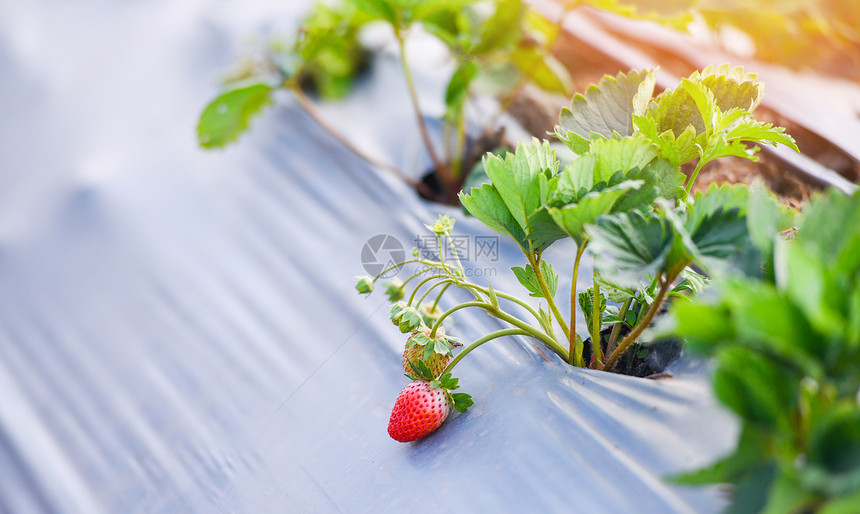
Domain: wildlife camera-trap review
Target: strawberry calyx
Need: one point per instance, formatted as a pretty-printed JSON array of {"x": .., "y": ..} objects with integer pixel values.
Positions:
[
  {"x": 441, "y": 343},
  {"x": 447, "y": 383}
]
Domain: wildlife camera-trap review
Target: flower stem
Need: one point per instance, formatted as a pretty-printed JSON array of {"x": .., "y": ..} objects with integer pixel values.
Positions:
[
  {"x": 489, "y": 337},
  {"x": 314, "y": 113},
  {"x": 439, "y": 297},
  {"x": 547, "y": 295},
  {"x": 595, "y": 321},
  {"x": 616, "y": 329},
  {"x": 699, "y": 165},
  {"x": 441, "y": 169},
  {"x": 575, "y": 356},
  {"x": 447, "y": 282},
  {"x": 419, "y": 284}
]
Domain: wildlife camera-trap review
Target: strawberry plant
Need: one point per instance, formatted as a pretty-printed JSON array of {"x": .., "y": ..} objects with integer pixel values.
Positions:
[
  {"x": 623, "y": 198},
  {"x": 497, "y": 46},
  {"x": 786, "y": 340}
]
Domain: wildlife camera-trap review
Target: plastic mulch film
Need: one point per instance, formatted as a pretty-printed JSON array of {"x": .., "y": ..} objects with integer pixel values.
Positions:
[{"x": 179, "y": 330}]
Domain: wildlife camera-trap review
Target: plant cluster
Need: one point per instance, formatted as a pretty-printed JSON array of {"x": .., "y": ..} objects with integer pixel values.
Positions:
[
  {"x": 786, "y": 340},
  {"x": 623, "y": 197},
  {"x": 497, "y": 47}
]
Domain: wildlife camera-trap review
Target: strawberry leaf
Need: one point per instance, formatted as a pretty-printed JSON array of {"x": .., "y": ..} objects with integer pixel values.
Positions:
[
  {"x": 502, "y": 28},
  {"x": 541, "y": 68},
  {"x": 573, "y": 219},
  {"x": 529, "y": 280},
  {"x": 448, "y": 382},
  {"x": 228, "y": 115},
  {"x": 586, "y": 303},
  {"x": 614, "y": 155},
  {"x": 605, "y": 109},
  {"x": 731, "y": 87},
  {"x": 462, "y": 401},
  {"x": 421, "y": 369},
  {"x": 517, "y": 178},
  {"x": 631, "y": 246},
  {"x": 487, "y": 205}
]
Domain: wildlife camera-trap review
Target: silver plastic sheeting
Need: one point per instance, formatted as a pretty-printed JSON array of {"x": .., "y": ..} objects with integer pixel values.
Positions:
[{"x": 179, "y": 330}]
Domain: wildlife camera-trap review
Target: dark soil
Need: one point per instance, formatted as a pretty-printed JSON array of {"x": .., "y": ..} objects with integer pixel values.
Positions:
[{"x": 640, "y": 360}]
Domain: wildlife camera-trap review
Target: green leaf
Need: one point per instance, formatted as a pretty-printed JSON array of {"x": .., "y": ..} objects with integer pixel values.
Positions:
[
  {"x": 574, "y": 218},
  {"x": 614, "y": 292},
  {"x": 732, "y": 87},
  {"x": 748, "y": 455},
  {"x": 631, "y": 246},
  {"x": 226, "y": 117},
  {"x": 449, "y": 382},
  {"x": 767, "y": 319},
  {"x": 542, "y": 69},
  {"x": 420, "y": 369},
  {"x": 462, "y": 401},
  {"x": 705, "y": 327},
  {"x": 379, "y": 9},
  {"x": 824, "y": 224},
  {"x": 849, "y": 504},
  {"x": 458, "y": 89},
  {"x": 606, "y": 108},
  {"x": 577, "y": 178},
  {"x": 676, "y": 150},
  {"x": 614, "y": 155},
  {"x": 753, "y": 386},
  {"x": 717, "y": 198},
  {"x": 675, "y": 110},
  {"x": 517, "y": 178},
  {"x": 502, "y": 28},
  {"x": 834, "y": 451},
  {"x": 527, "y": 277},
  {"x": 586, "y": 303},
  {"x": 766, "y": 218},
  {"x": 486, "y": 204},
  {"x": 543, "y": 230},
  {"x": 749, "y": 130}
]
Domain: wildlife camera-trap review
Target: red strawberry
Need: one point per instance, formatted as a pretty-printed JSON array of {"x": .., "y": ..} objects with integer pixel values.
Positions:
[{"x": 420, "y": 409}]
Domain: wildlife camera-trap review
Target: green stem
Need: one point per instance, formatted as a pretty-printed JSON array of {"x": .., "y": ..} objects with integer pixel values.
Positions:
[
  {"x": 452, "y": 310},
  {"x": 447, "y": 281},
  {"x": 457, "y": 167},
  {"x": 431, "y": 264},
  {"x": 441, "y": 169},
  {"x": 489, "y": 337},
  {"x": 595, "y": 321},
  {"x": 547, "y": 295},
  {"x": 616, "y": 329},
  {"x": 699, "y": 165},
  {"x": 439, "y": 297},
  {"x": 547, "y": 339},
  {"x": 314, "y": 113},
  {"x": 419, "y": 284},
  {"x": 640, "y": 327},
  {"x": 575, "y": 356},
  {"x": 511, "y": 298},
  {"x": 456, "y": 255}
]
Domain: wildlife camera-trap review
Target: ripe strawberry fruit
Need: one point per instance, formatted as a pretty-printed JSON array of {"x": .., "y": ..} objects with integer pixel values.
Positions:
[
  {"x": 424, "y": 404},
  {"x": 420, "y": 409}
]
